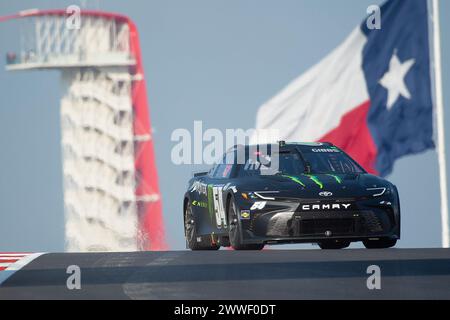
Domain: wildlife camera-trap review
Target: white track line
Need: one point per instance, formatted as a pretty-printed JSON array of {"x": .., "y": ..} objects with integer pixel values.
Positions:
[{"x": 8, "y": 272}]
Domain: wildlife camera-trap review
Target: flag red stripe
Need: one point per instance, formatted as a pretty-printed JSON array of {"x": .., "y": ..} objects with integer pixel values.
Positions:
[
  {"x": 9, "y": 260},
  {"x": 15, "y": 253},
  {"x": 353, "y": 136}
]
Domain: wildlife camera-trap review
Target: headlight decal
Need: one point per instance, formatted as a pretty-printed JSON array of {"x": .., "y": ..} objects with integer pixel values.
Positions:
[
  {"x": 377, "y": 191},
  {"x": 263, "y": 197}
]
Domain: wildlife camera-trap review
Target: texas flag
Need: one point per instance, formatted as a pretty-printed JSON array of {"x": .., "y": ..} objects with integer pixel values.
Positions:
[{"x": 371, "y": 96}]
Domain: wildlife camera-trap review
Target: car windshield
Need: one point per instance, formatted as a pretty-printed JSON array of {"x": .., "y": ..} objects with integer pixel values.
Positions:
[
  {"x": 329, "y": 160},
  {"x": 323, "y": 160}
]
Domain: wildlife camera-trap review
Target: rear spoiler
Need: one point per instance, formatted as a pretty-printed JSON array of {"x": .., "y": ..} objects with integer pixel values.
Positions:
[{"x": 199, "y": 174}]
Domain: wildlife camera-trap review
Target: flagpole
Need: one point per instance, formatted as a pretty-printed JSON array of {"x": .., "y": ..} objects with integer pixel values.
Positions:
[{"x": 439, "y": 104}]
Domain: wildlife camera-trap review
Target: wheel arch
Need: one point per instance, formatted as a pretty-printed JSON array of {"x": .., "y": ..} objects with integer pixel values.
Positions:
[
  {"x": 398, "y": 218},
  {"x": 185, "y": 203},
  {"x": 229, "y": 198}
]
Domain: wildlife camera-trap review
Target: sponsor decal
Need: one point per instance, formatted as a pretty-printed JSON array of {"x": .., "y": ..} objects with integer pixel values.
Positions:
[
  {"x": 201, "y": 204},
  {"x": 314, "y": 144},
  {"x": 258, "y": 205},
  {"x": 229, "y": 186},
  {"x": 326, "y": 206},
  {"x": 198, "y": 187},
  {"x": 245, "y": 214},
  {"x": 324, "y": 150}
]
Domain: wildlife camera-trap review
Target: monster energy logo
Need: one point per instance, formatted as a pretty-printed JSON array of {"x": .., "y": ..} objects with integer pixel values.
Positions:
[
  {"x": 210, "y": 201},
  {"x": 316, "y": 180},
  {"x": 295, "y": 179}
]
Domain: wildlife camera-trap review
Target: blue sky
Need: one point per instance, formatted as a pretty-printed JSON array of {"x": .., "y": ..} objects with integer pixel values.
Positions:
[{"x": 215, "y": 61}]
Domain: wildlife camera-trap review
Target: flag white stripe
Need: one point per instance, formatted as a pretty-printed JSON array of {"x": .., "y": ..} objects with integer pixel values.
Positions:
[
  {"x": 5, "y": 264},
  {"x": 313, "y": 104},
  {"x": 13, "y": 254}
]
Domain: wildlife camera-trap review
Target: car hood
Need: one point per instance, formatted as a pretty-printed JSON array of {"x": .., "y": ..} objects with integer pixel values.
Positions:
[{"x": 310, "y": 185}]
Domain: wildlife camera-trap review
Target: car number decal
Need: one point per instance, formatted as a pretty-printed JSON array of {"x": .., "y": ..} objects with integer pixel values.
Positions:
[
  {"x": 258, "y": 205},
  {"x": 218, "y": 206}
]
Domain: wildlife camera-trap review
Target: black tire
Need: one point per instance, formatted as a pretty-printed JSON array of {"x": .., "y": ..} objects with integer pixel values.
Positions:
[
  {"x": 234, "y": 231},
  {"x": 333, "y": 244},
  {"x": 191, "y": 233},
  {"x": 380, "y": 244}
]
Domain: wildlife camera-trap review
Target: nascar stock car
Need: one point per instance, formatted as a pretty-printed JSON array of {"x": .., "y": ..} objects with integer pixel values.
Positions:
[{"x": 316, "y": 194}]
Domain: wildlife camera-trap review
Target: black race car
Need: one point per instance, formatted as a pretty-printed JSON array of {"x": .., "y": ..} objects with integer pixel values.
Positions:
[{"x": 316, "y": 193}]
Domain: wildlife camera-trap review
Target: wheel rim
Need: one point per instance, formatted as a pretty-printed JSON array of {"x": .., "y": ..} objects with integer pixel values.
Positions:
[{"x": 189, "y": 224}]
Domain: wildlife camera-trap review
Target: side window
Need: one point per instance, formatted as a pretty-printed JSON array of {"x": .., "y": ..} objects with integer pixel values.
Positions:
[
  {"x": 223, "y": 170},
  {"x": 227, "y": 171},
  {"x": 212, "y": 170}
]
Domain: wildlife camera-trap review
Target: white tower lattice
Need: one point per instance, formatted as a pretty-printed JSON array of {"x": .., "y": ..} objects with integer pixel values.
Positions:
[{"x": 111, "y": 194}]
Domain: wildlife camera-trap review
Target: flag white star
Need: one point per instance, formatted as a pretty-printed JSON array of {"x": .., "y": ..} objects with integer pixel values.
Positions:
[{"x": 394, "y": 79}]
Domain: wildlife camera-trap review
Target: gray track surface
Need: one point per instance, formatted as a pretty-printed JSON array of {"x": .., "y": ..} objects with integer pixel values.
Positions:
[{"x": 226, "y": 274}]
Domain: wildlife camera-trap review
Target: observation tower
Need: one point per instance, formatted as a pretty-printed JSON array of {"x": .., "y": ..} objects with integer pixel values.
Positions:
[{"x": 111, "y": 196}]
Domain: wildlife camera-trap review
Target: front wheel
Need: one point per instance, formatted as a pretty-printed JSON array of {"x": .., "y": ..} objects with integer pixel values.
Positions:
[
  {"x": 380, "y": 243},
  {"x": 235, "y": 233},
  {"x": 190, "y": 231}
]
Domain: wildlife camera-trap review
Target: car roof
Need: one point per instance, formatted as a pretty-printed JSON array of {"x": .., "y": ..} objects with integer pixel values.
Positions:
[{"x": 282, "y": 144}]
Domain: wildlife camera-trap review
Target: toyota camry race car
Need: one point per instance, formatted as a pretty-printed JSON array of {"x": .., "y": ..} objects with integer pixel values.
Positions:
[{"x": 289, "y": 193}]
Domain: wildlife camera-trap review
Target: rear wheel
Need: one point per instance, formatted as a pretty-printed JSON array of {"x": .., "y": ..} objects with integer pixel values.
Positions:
[
  {"x": 333, "y": 244},
  {"x": 190, "y": 232},
  {"x": 380, "y": 243},
  {"x": 234, "y": 230}
]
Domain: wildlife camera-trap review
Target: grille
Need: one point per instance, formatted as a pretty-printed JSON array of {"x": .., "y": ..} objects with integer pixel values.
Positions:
[
  {"x": 372, "y": 222},
  {"x": 320, "y": 226}
]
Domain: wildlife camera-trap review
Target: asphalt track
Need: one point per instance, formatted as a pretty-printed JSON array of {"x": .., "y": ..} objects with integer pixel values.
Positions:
[{"x": 226, "y": 274}]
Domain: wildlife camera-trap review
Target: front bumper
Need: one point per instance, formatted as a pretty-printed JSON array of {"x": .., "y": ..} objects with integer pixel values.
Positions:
[{"x": 284, "y": 222}]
